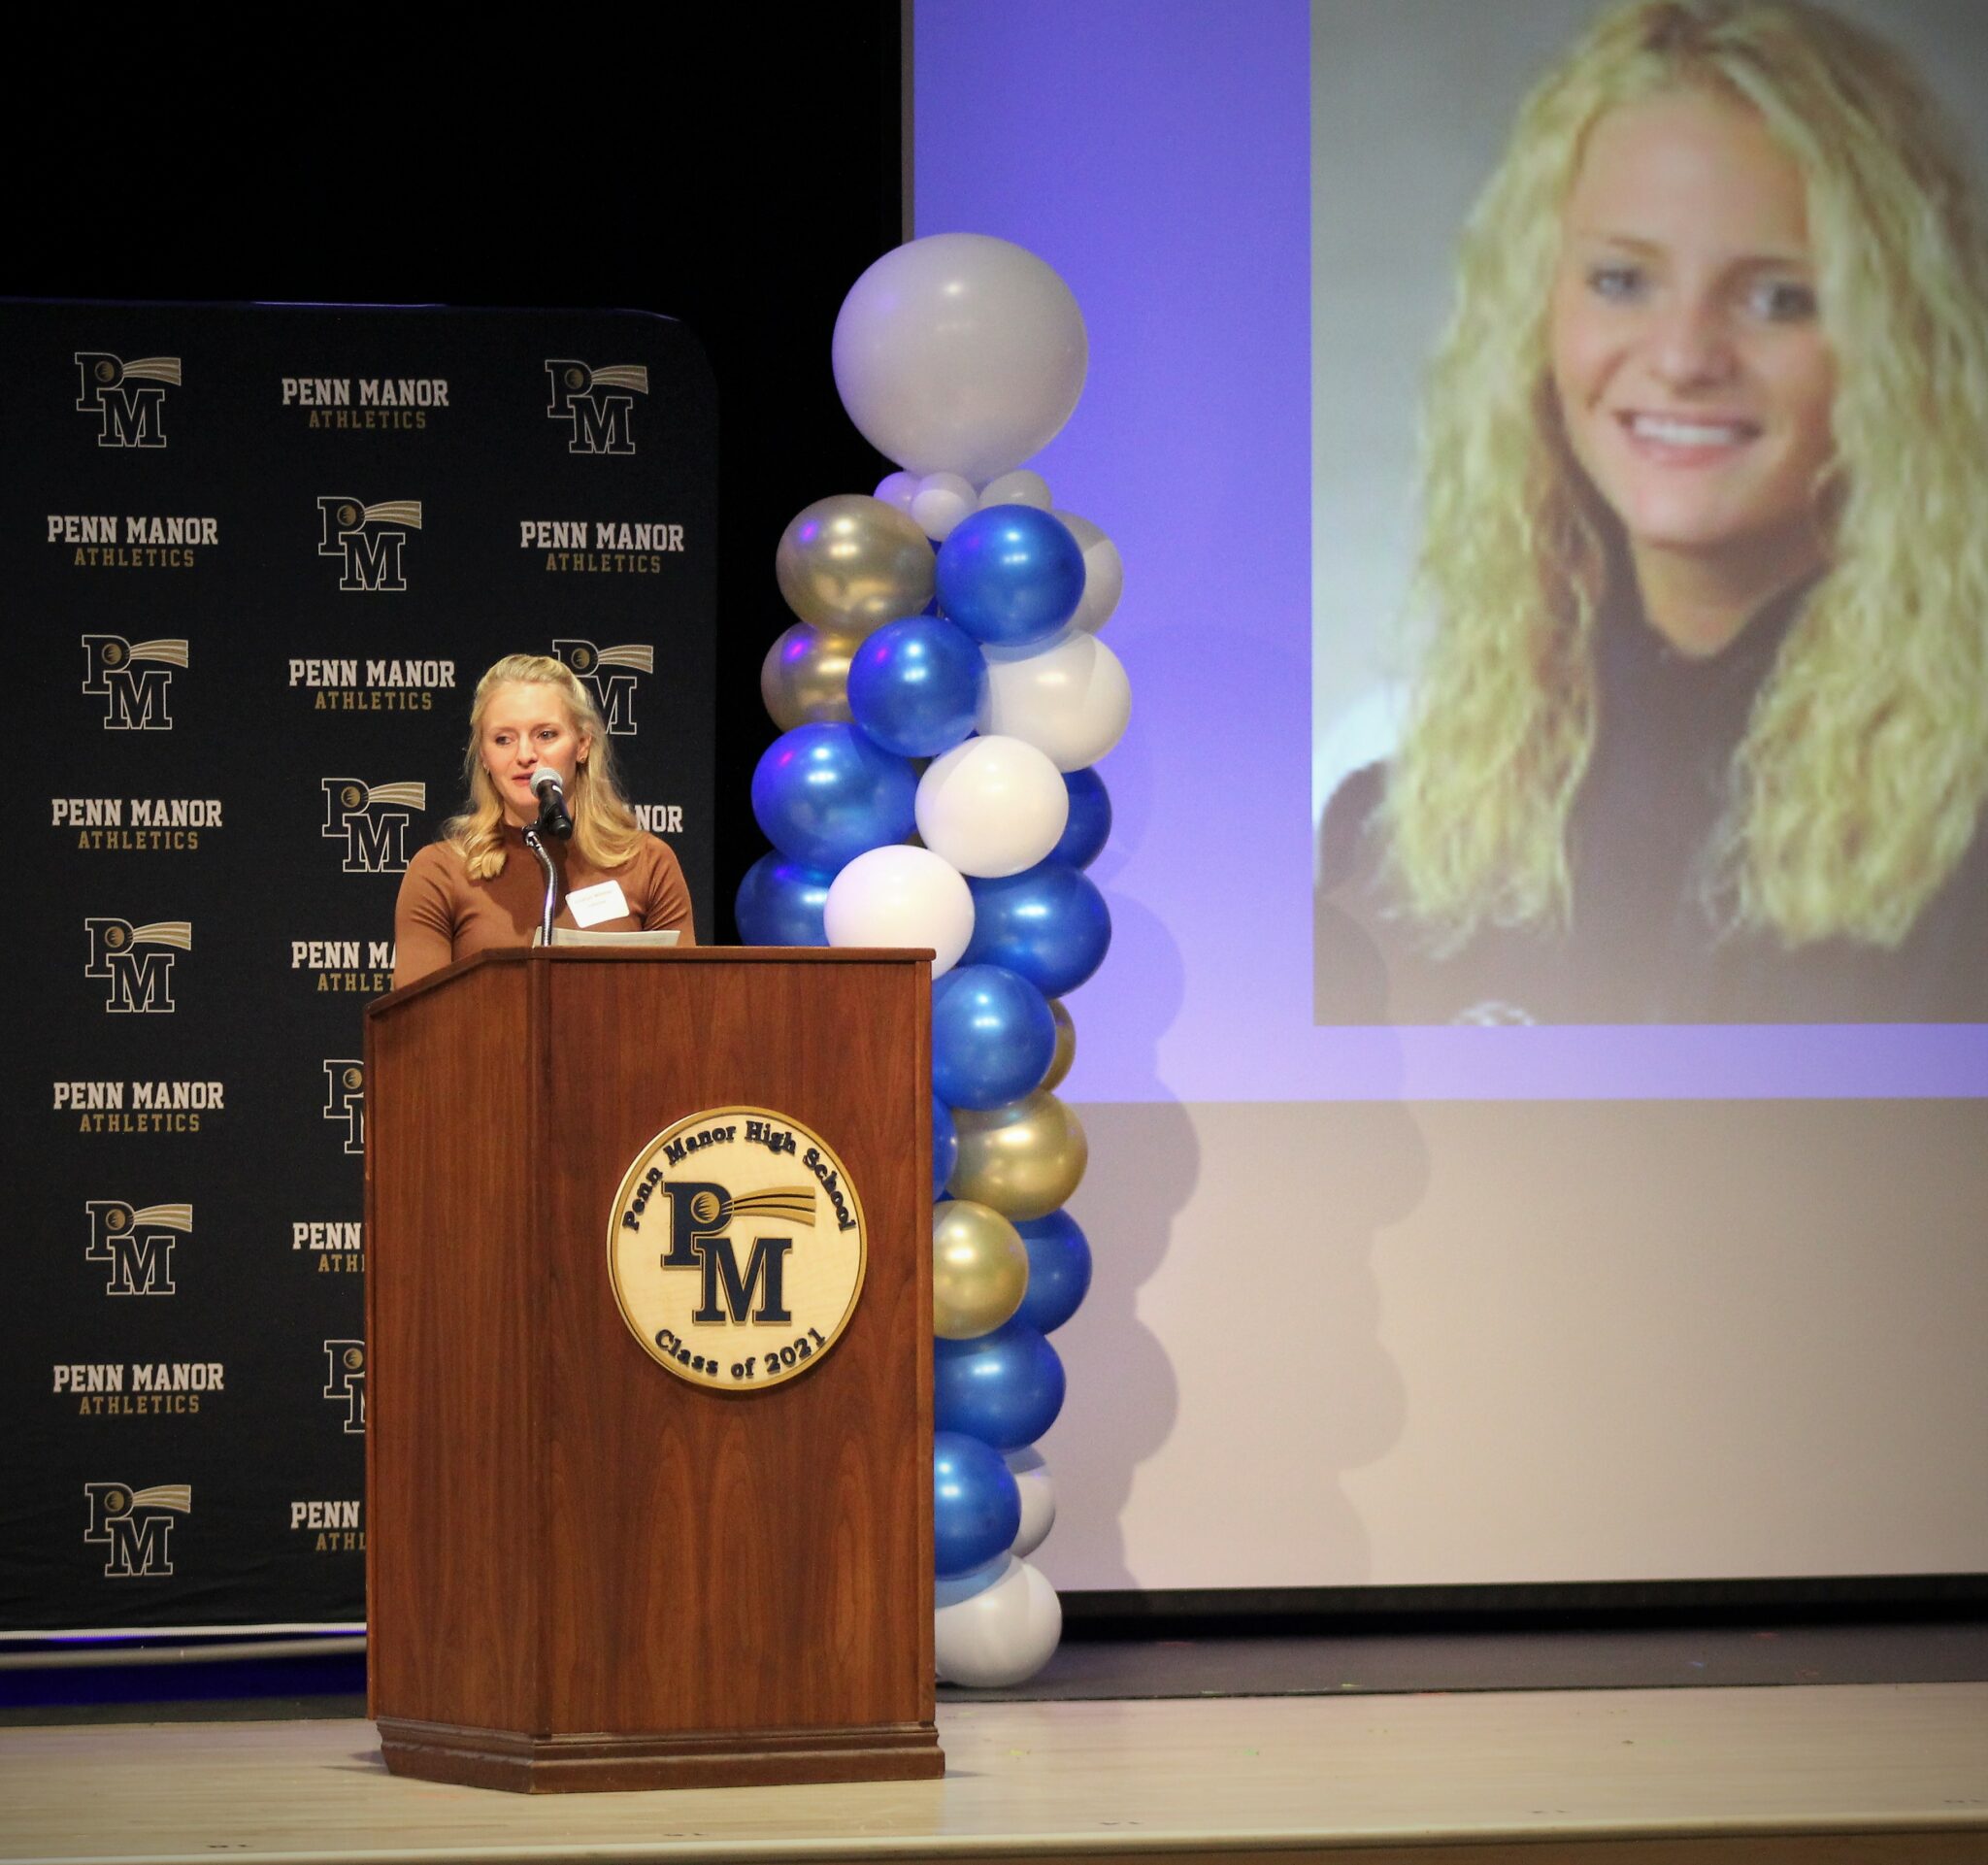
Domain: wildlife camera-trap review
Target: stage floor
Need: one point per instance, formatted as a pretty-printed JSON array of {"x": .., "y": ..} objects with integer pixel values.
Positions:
[{"x": 1835, "y": 1776}]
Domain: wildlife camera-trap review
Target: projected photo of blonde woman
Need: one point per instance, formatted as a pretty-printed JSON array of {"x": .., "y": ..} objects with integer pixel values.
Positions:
[{"x": 1699, "y": 732}]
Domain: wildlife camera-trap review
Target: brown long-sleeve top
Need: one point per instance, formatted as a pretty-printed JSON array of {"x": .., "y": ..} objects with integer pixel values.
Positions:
[{"x": 442, "y": 914}]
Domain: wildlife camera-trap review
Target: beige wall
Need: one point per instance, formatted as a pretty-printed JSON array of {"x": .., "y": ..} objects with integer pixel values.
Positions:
[{"x": 1389, "y": 1345}]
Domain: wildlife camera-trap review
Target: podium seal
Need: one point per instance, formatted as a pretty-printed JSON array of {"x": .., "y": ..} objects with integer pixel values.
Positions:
[{"x": 736, "y": 1249}]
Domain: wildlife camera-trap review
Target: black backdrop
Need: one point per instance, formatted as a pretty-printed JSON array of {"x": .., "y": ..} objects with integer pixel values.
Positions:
[
  {"x": 728, "y": 175},
  {"x": 263, "y": 553},
  {"x": 734, "y": 168}
]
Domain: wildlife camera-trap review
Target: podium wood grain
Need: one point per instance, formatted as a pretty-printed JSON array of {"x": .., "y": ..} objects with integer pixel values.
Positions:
[{"x": 583, "y": 1572}]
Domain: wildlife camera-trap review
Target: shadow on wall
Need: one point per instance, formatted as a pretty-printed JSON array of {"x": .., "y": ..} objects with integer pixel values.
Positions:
[
  {"x": 1145, "y": 1161},
  {"x": 1357, "y": 1167},
  {"x": 1228, "y": 1363}
]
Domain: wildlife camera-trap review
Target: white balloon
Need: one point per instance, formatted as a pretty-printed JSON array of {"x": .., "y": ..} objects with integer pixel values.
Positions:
[
  {"x": 1071, "y": 702},
  {"x": 1003, "y": 1634},
  {"x": 975, "y": 1579},
  {"x": 901, "y": 896},
  {"x": 1104, "y": 573},
  {"x": 1037, "y": 1498},
  {"x": 939, "y": 504},
  {"x": 1022, "y": 487},
  {"x": 992, "y": 806},
  {"x": 898, "y": 489},
  {"x": 960, "y": 352}
]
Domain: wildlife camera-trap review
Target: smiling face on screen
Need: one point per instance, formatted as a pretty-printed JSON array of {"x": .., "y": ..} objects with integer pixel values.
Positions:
[{"x": 1692, "y": 373}]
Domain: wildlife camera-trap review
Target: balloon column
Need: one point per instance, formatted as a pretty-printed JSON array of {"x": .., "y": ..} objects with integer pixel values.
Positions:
[{"x": 953, "y": 616}]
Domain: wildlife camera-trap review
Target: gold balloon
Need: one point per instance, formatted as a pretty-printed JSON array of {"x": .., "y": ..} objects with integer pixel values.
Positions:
[
  {"x": 1024, "y": 1158},
  {"x": 851, "y": 563},
  {"x": 979, "y": 1270},
  {"x": 1065, "y": 1044},
  {"x": 805, "y": 679}
]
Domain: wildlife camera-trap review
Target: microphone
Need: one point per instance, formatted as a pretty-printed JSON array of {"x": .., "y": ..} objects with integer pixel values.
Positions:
[{"x": 551, "y": 795}]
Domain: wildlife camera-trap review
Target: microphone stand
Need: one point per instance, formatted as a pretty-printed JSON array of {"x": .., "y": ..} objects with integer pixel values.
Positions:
[
  {"x": 536, "y": 843},
  {"x": 552, "y": 820}
]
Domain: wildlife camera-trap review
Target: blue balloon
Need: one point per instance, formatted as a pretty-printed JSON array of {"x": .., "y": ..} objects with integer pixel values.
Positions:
[
  {"x": 1005, "y": 1389},
  {"x": 1090, "y": 819},
  {"x": 976, "y": 1505},
  {"x": 824, "y": 795},
  {"x": 1059, "y": 1270},
  {"x": 779, "y": 903},
  {"x": 915, "y": 685},
  {"x": 1010, "y": 574},
  {"x": 1049, "y": 922},
  {"x": 945, "y": 1146},
  {"x": 993, "y": 1037}
]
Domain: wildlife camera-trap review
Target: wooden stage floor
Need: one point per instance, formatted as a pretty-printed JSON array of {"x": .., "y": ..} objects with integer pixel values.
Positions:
[{"x": 1825, "y": 1775}]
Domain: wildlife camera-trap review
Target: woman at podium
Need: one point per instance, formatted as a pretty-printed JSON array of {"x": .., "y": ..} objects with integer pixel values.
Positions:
[{"x": 479, "y": 888}]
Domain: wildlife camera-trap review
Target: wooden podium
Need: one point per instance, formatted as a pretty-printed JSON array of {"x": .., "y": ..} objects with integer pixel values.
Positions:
[{"x": 583, "y": 1572}]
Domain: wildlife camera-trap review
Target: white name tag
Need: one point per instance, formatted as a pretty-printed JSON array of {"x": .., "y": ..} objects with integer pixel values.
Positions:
[{"x": 592, "y": 905}]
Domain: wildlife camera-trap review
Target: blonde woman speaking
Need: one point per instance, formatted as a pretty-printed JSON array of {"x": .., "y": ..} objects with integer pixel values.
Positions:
[{"x": 478, "y": 888}]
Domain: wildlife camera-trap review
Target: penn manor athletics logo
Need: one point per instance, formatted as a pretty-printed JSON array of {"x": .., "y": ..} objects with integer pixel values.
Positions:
[
  {"x": 344, "y": 1098},
  {"x": 736, "y": 1249},
  {"x": 137, "y": 1243},
  {"x": 608, "y": 675},
  {"x": 598, "y": 404},
  {"x": 137, "y": 961},
  {"x": 345, "y": 1381},
  {"x": 368, "y": 539},
  {"x": 137, "y": 1524},
  {"x": 127, "y": 415},
  {"x": 372, "y": 820},
  {"x": 132, "y": 679}
]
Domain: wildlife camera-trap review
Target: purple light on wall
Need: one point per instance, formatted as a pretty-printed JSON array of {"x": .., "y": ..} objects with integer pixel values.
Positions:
[{"x": 1158, "y": 155}]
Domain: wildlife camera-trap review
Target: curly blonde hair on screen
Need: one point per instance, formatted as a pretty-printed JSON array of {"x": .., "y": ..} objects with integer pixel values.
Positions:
[
  {"x": 1860, "y": 780},
  {"x": 605, "y": 830}
]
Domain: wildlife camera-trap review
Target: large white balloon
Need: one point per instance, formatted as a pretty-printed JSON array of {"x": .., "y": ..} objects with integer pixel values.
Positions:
[
  {"x": 960, "y": 353},
  {"x": 992, "y": 807},
  {"x": 1002, "y": 1634},
  {"x": 1071, "y": 702},
  {"x": 1037, "y": 1498},
  {"x": 901, "y": 896},
  {"x": 1104, "y": 573}
]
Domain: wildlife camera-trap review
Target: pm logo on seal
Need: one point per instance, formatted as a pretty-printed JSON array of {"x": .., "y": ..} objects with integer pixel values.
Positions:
[{"x": 736, "y": 1249}]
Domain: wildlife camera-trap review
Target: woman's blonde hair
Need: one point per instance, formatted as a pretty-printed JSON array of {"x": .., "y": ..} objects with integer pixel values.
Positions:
[
  {"x": 605, "y": 830},
  {"x": 1860, "y": 780}
]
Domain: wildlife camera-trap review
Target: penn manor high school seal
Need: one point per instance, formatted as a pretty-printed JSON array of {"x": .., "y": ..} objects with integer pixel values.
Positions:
[{"x": 736, "y": 1249}]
